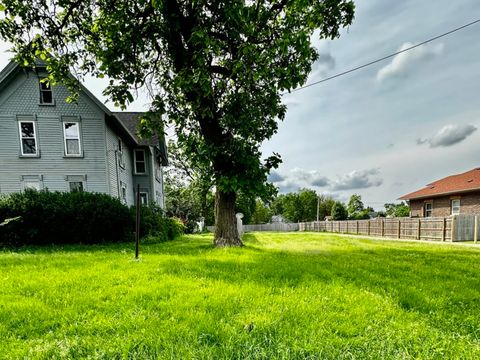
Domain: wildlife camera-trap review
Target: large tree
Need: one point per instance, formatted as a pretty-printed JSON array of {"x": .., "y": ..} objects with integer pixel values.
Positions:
[{"x": 217, "y": 69}]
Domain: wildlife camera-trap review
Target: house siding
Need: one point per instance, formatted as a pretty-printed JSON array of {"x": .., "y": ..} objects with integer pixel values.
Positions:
[
  {"x": 114, "y": 168},
  {"x": 21, "y": 97},
  {"x": 469, "y": 204},
  {"x": 98, "y": 167},
  {"x": 158, "y": 183}
]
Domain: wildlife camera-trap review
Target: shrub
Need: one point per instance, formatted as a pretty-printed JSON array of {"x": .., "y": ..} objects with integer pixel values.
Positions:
[
  {"x": 39, "y": 218},
  {"x": 176, "y": 227},
  {"x": 153, "y": 223},
  {"x": 55, "y": 217}
]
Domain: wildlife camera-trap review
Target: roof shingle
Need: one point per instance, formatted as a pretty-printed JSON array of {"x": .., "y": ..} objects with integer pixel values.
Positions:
[{"x": 467, "y": 181}]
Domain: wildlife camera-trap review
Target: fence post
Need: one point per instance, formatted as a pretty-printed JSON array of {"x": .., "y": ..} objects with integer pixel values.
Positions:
[
  {"x": 399, "y": 228},
  {"x": 383, "y": 227},
  {"x": 357, "y": 227},
  {"x": 368, "y": 227},
  {"x": 475, "y": 230},
  {"x": 444, "y": 228},
  {"x": 419, "y": 229},
  {"x": 454, "y": 228}
]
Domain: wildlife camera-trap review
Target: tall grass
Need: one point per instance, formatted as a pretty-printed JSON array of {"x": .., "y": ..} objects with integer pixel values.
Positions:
[{"x": 283, "y": 296}]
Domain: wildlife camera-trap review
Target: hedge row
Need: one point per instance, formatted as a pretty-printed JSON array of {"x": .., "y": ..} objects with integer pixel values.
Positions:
[{"x": 39, "y": 218}]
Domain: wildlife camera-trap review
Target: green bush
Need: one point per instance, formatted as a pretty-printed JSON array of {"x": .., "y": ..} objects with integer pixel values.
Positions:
[
  {"x": 39, "y": 218},
  {"x": 56, "y": 217},
  {"x": 153, "y": 223},
  {"x": 176, "y": 227}
]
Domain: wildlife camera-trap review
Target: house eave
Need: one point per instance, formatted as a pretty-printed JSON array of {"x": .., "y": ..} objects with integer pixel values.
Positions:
[{"x": 430, "y": 196}]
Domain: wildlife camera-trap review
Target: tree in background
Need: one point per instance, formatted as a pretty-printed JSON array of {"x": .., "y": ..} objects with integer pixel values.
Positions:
[
  {"x": 356, "y": 210},
  {"x": 397, "y": 210},
  {"x": 302, "y": 205},
  {"x": 339, "y": 211},
  {"x": 187, "y": 186},
  {"x": 355, "y": 205},
  {"x": 217, "y": 69},
  {"x": 262, "y": 213},
  {"x": 325, "y": 206},
  {"x": 245, "y": 204}
]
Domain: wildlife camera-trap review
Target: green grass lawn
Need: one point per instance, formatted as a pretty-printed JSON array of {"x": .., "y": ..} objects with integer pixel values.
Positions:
[{"x": 283, "y": 296}]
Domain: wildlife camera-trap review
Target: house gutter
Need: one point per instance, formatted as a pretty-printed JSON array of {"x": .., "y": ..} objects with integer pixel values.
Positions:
[{"x": 438, "y": 194}]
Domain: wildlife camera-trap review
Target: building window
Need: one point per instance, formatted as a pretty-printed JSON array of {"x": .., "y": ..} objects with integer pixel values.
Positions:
[
  {"x": 121, "y": 163},
  {"x": 28, "y": 138},
  {"x": 158, "y": 171},
  {"x": 428, "y": 209},
  {"x": 32, "y": 182},
  {"x": 76, "y": 182},
  {"x": 158, "y": 196},
  {"x": 71, "y": 135},
  {"x": 456, "y": 207},
  {"x": 123, "y": 192},
  {"x": 46, "y": 95},
  {"x": 143, "y": 198},
  {"x": 140, "y": 164},
  {"x": 76, "y": 186}
]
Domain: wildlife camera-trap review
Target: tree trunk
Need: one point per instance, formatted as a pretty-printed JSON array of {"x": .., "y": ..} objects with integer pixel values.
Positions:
[{"x": 226, "y": 233}]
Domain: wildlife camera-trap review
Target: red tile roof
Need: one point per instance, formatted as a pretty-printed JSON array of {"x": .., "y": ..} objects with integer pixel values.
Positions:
[{"x": 466, "y": 181}]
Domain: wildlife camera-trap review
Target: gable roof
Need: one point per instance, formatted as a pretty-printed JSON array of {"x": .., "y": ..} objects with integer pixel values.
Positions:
[
  {"x": 127, "y": 122},
  {"x": 130, "y": 121},
  {"x": 464, "y": 182}
]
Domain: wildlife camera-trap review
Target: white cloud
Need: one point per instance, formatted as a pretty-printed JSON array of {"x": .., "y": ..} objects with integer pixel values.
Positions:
[
  {"x": 358, "y": 180},
  {"x": 401, "y": 63},
  {"x": 449, "y": 135}
]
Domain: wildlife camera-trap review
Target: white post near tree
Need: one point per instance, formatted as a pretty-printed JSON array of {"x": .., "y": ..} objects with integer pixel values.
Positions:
[{"x": 239, "y": 217}]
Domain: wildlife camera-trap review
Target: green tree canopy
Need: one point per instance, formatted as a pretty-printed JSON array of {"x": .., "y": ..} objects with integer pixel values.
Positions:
[
  {"x": 339, "y": 211},
  {"x": 397, "y": 210},
  {"x": 217, "y": 69},
  {"x": 355, "y": 205},
  {"x": 262, "y": 214}
]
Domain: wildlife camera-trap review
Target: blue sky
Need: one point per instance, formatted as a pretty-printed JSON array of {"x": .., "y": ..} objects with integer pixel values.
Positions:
[{"x": 390, "y": 128}]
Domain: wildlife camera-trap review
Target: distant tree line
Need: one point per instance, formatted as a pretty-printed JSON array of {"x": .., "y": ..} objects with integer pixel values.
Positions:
[{"x": 189, "y": 193}]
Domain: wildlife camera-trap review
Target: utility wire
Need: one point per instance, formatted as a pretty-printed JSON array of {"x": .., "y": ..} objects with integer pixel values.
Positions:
[{"x": 385, "y": 57}]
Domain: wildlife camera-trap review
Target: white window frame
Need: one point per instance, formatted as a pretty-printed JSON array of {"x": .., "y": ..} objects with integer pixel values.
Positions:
[
  {"x": 121, "y": 161},
  {"x": 457, "y": 212},
  {"x": 32, "y": 179},
  {"x": 64, "y": 122},
  {"x": 135, "y": 161},
  {"x": 33, "y": 122},
  {"x": 45, "y": 90},
  {"x": 146, "y": 197},
  {"x": 123, "y": 192},
  {"x": 76, "y": 178},
  {"x": 428, "y": 210}
]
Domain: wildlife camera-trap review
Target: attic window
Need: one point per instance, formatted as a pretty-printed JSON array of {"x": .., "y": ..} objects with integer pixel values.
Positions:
[
  {"x": 471, "y": 180},
  {"x": 46, "y": 95}
]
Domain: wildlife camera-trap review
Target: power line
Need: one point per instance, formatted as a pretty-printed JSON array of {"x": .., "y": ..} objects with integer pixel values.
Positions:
[{"x": 385, "y": 57}]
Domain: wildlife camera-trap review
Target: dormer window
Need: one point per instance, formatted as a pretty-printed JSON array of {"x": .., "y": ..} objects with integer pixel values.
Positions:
[{"x": 46, "y": 95}]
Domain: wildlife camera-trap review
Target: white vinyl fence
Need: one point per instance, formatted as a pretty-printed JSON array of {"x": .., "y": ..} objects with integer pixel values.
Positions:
[{"x": 280, "y": 227}]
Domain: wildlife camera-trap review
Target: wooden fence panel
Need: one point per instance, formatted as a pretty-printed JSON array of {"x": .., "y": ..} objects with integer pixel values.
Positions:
[
  {"x": 464, "y": 227},
  {"x": 437, "y": 229}
]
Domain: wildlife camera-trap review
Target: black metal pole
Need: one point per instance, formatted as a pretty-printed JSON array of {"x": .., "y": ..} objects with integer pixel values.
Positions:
[{"x": 137, "y": 223}]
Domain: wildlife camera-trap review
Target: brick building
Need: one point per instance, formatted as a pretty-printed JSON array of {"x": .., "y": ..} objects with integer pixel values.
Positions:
[{"x": 453, "y": 195}]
